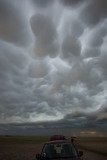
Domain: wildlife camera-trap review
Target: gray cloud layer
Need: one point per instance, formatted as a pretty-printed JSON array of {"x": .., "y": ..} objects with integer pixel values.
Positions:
[{"x": 53, "y": 64}]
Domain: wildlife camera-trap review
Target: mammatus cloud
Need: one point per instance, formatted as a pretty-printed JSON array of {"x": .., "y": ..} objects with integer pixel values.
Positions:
[
  {"x": 45, "y": 34},
  {"x": 71, "y": 48},
  {"x": 38, "y": 69},
  {"x": 14, "y": 27},
  {"x": 53, "y": 66},
  {"x": 41, "y": 3},
  {"x": 94, "y": 11},
  {"x": 70, "y": 3}
]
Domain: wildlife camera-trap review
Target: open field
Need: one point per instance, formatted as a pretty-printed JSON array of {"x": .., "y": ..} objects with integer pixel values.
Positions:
[
  {"x": 25, "y": 148},
  {"x": 16, "y": 151},
  {"x": 94, "y": 144},
  {"x": 20, "y": 147},
  {"x": 22, "y": 139}
]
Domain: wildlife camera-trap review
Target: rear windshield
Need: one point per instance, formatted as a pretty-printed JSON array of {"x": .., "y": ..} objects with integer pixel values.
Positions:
[{"x": 59, "y": 150}]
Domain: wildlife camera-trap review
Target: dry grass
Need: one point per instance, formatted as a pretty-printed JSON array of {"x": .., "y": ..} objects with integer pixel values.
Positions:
[
  {"x": 16, "y": 151},
  {"x": 96, "y": 144},
  {"x": 20, "y": 148},
  {"x": 25, "y": 148}
]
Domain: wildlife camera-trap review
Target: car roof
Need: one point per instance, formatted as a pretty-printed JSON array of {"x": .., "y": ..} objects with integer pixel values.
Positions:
[
  {"x": 57, "y": 141},
  {"x": 57, "y": 137}
]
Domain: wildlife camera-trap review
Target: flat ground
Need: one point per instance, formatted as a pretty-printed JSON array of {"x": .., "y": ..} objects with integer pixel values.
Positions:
[
  {"x": 88, "y": 155},
  {"x": 20, "y": 148},
  {"x": 15, "y": 151},
  {"x": 25, "y": 148},
  {"x": 95, "y": 144}
]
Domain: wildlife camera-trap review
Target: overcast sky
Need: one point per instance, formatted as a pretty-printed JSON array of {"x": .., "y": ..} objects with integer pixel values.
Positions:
[{"x": 53, "y": 65}]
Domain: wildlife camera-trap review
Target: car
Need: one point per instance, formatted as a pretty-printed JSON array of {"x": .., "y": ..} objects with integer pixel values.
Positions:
[{"x": 59, "y": 148}]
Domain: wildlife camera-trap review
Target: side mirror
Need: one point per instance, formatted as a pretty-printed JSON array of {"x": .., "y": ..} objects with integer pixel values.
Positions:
[
  {"x": 38, "y": 156},
  {"x": 80, "y": 153}
]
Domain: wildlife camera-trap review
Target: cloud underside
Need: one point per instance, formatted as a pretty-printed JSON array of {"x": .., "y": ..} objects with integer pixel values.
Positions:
[{"x": 53, "y": 65}]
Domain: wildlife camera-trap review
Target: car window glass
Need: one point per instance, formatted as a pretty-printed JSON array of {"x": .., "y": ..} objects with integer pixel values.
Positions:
[{"x": 59, "y": 150}]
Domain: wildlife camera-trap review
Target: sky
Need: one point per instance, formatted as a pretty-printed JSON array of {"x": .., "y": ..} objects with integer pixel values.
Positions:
[{"x": 53, "y": 66}]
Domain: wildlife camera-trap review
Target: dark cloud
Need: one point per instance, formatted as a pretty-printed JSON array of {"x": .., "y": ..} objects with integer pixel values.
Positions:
[
  {"x": 76, "y": 28},
  {"x": 11, "y": 57},
  {"x": 91, "y": 52},
  {"x": 94, "y": 11},
  {"x": 53, "y": 70},
  {"x": 13, "y": 25},
  {"x": 70, "y": 2},
  {"x": 14, "y": 83},
  {"x": 42, "y": 3},
  {"x": 38, "y": 69},
  {"x": 45, "y": 32},
  {"x": 71, "y": 47},
  {"x": 102, "y": 63},
  {"x": 41, "y": 25}
]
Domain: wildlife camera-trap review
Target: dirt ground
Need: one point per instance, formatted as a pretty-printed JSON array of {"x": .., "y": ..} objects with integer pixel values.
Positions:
[
  {"x": 97, "y": 146},
  {"x": 88, "y": 155},
  {"x": 27, "y": 151},
  {"x": 15, "y": 151}
]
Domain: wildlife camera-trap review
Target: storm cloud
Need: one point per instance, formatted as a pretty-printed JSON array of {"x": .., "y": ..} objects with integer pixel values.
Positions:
[{"x": 53, "y": 69}]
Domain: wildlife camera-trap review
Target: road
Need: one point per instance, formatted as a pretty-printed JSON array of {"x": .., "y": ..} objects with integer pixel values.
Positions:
[{"x": 93, "y": 156}]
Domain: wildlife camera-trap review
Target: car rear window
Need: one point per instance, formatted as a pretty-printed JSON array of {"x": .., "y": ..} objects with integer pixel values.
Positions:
[{"x": 59, "y": 150}]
